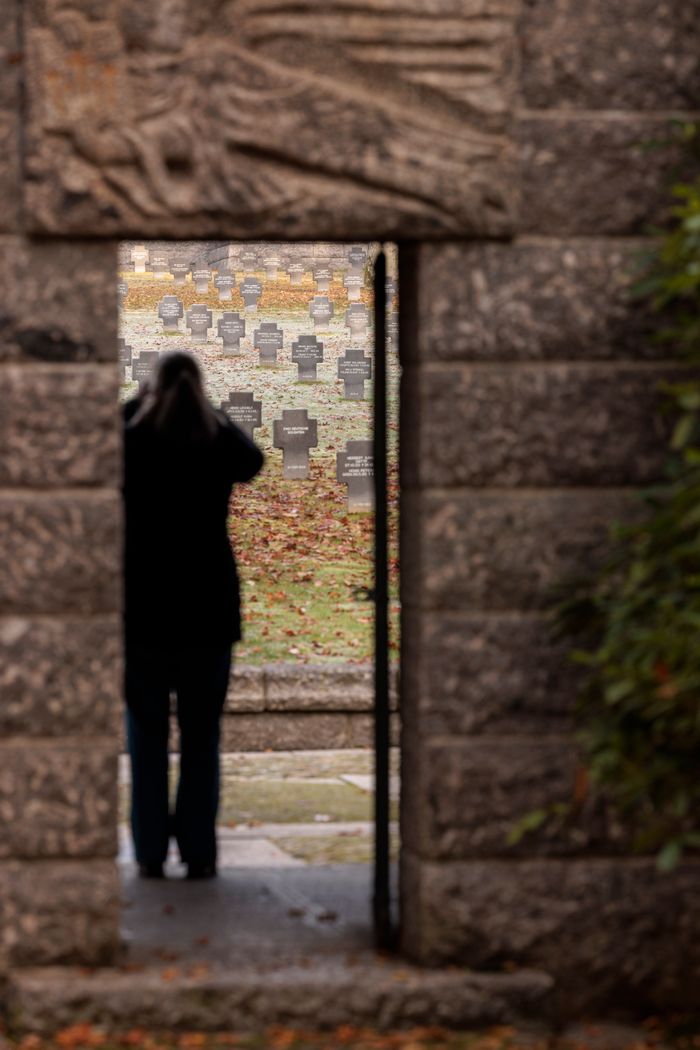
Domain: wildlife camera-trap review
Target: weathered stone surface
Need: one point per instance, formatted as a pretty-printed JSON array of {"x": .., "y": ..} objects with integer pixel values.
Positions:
[
  {"x": 246, "y": 691},
  {"x": 354, "y": 145},
  {"x": 503, "y": 551},
  {"x": 60, "y": 677},
  {"x": 595, "y": 175},
  {"x": 463, "y": 798},
  {"x": 58, "y": 801},
  {"x": 310, "y": 687},
  {"x": 608, "y": 931},
  {"x": 10, "y": 66},
  {"x": 536, "y": 425},
  {"x": 60, "y": 426},
  {"x": 59, "y": 912},
  {"x": 60, "y": 554},
  {"x": 526, "y": 301},
  {"x": 282, "y": 731},
  {"x": 640, "y": 55},
  {"x": 59, "y": 300},
  {"x": 485, "y": 673}
]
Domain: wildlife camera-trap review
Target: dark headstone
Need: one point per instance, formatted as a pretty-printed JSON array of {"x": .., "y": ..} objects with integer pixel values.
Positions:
[
  {"x": 356, "y": 319},
  {"x": 306, "y": 353},
  {"x": 224, "y": 284},
  {"x": 295, "y": 434},
  {"x": 392, "y": 329},
  {"x": 201, "y": 277},
  {"x": 354, "y": 282},
  {"x": 139, "y": 257},
  {"x": 391, "y": 290},
  {"x": 170, "y": 310},
  {"x": 323, "y": 275},
  {"x": 160, "y": 263},
  {"x": 243, "y": 410},
  {"x": 355, "y": 468},
  {"x": 143, "y": 365},
  {"x": 296, "y": 271},
  {"x": 125, "y": 357},
  {"x": 122, "y": 291},
  {"x": 249, "y": 260},
  {"x": 268, "y": 339},
  {"x": 321, "y": 309},
  {"x": 179, "y": 270},
  {"x": 231, "y": 329},
  {"x": 251, "y": 290},
  {"x": 354, "y": 368},
  {"x": 199, "y": 321},
  {"x": 271, "y": 262},
  {"x": 357, "y": 257}
]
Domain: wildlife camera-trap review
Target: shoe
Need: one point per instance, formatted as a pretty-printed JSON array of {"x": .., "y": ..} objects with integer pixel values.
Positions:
[
  {"x": 201, "y": 871},
  {"x": 151, "y": 871}
]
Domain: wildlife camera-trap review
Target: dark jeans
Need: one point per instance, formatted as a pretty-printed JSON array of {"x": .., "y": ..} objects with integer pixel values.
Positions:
[{"x": 199, "y": 678}]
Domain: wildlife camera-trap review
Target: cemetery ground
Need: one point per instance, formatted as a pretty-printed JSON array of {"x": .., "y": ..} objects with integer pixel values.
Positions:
[{"x": 302, "y": 554}]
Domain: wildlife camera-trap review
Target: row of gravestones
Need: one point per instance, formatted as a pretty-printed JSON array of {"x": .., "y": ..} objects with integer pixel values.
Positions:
[
  {"x": 199, "y": 318},
  {"x": 307, "y": 353}
]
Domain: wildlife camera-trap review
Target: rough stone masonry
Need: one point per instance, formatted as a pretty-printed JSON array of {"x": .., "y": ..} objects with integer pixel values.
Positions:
[{"x": 503, "y": 145}]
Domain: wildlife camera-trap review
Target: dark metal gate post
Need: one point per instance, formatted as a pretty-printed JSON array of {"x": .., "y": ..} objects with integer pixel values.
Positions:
[{"x": 381, "y": 901}]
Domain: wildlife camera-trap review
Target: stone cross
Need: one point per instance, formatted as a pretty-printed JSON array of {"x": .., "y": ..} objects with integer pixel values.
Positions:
[
  {"x": 321, "y": 309},
  {"x": 295, "y": 434},
  {"x": 160, "y": 263},
  {"x": 199, "y": 321},
  {"x": 224, "y": 285},
  {"x": 243, "y": 410},
  {"x": 355, "y": 468},
  {"x": 231, "y": 329},
  {"x": 354, "y": 282},
  {"x": 143, "y": 365},
  {"x": 323, "y": 275},
  {"x": 296, "y": 271},
  {"x": 268, "y": 339},
  {"x": 179, "y": 270},
  {"x": 122, "y": 291},
  {"x": 201, "y": 277},
  {"x": 139, "y": 257},
  {"x": 306, "y": 353},
  {"x": 354, "y": 368},
  {"x": 125, "y": 357},
  {"x": 392, "y": 329},
  {"x": 356, "y": 319},
  {"x": 391, "y": 289},
  {"x": 170, "y": 310},
  {"x": 271, "y": 262},
  {"x": 357, "y": 257},
  {"x": 251, "y": 290},
  {"x": 249, "y": 260}
]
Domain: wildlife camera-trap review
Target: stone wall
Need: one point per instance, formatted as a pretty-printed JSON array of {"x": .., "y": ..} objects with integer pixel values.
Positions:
[{"x": 529, "y": 417}]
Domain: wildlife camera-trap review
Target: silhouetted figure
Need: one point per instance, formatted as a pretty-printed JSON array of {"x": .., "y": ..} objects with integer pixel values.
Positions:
[{"x": 182, "y": 606}]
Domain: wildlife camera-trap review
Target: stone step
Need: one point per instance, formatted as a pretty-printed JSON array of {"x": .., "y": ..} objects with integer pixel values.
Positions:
[{"x": 364, "y": 990}]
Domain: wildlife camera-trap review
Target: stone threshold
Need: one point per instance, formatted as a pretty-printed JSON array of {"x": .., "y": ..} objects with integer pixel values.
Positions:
[{"x": 365, "y": 989}]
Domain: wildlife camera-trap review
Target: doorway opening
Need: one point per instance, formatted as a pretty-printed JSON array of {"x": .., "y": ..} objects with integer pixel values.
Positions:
[{"x": 285, "y": 338}]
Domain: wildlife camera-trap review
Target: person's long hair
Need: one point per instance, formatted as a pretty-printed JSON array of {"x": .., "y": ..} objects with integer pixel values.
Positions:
[{"x": 173, "y": 404}]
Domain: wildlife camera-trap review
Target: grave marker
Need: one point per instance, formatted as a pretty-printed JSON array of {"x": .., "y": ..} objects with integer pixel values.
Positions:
[
  {"x": 323, "y": 275},
  {"x": 170, "y": 310},
  {"x": 199, "y": 321},
  {"x": 296, "y": 271},
  {"x": 201, "y": 277},
  {"x": 354, "y": 368},
  {"x": 122, "y": 291},
  {"x": 356, "y": 319},
  {"x": 357, "y": 257},
  {"x": 391, "y": 289},
  {"x": 126, "y": 354},
  {"x": 271, "y": 262},
  {"x": 268, "y": 339},
  {"x": 160, "y": 263},
  {"x": 355, "y": 468},
  {"x": 392, "y": 329},
  {"x": 139, "y": 257},
  {"x": 231, "y": 329},
  {"x": 295, "y": 434},
  {"x": 307, "y": 352},
  {"x": 179, "y": 270},
  {"x": 243, "y": 410},
  {"x": 142, "y": 366},
  {"x": 224, "y": 284},
  {"x": 249, "y": 260},
  {"x": 321, "y": 309},
  {"x": 354, "y": 282},
  {"x": 251, "y": 290}
]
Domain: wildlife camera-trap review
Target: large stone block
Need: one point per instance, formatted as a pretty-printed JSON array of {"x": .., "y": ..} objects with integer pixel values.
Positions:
[
  {"x": 61, "y": 554},
  {"x": 384, "y": 123},
  {"x": 282, "y": 731},
  {"x": 59, "y": 300},
  {"x": 536, "y": 425},
  {"x": 246, "y": 691},
  {"x": 60, "y": 426},
  {"x": 608, "y": 931},
  {"x": 469, "y": 551},
  {"x": 639, "y": 55},
  {"x": 596, "y": 175},
  {"x": 59, "y": 912},
  {"x": 463, "y": 798},
  {"x": 60, "y": 677},
  {"x": 555, "y": 300},
  {"x": 58, "y": 801},
  {"x": 10, "y": 67},
  {"x": 485, "y": 673},
  {"x": 309, "y": 687}
]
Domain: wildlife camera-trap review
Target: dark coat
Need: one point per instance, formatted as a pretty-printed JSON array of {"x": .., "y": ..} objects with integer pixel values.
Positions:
[{"x": 181, "y": 582}]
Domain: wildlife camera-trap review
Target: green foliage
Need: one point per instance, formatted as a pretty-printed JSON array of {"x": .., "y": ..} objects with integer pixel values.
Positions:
[{"x": 638, "y": 622}]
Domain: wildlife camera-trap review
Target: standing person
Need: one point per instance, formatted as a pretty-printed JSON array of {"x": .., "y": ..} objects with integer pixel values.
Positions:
[{"x": 182, "y": 605}]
